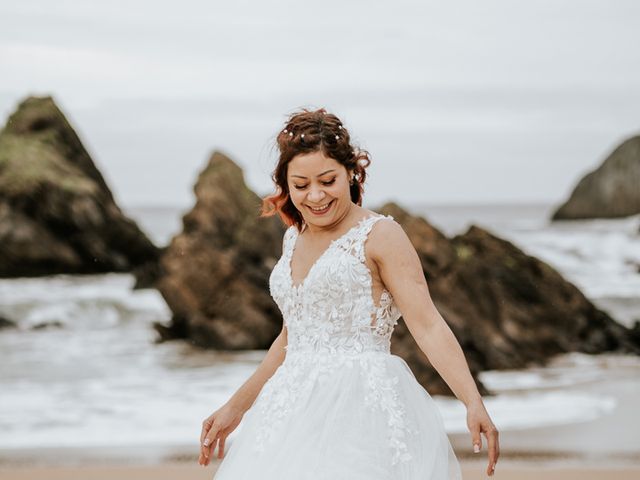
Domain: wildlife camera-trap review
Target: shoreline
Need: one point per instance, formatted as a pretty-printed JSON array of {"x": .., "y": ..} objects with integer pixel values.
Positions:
[
  {"x": 157, "y": 457},
  {"x": 471, "y": 470}
]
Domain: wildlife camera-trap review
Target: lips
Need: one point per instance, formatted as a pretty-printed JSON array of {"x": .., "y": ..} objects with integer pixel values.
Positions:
[{"x": 321, "y": 211}]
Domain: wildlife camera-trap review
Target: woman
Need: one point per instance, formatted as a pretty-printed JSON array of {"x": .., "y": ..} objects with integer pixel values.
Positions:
[{"x": 329, "y": 400}]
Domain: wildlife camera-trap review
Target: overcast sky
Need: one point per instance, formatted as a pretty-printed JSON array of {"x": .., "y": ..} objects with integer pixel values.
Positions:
[{"x": 458, "y": 102}]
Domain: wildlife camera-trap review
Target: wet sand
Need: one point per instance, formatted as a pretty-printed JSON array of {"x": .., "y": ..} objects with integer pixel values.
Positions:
[{"x": 472, "y": 470}]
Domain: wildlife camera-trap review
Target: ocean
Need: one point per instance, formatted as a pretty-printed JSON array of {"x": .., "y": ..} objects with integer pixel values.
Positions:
[{"x": 83, "y": 378}]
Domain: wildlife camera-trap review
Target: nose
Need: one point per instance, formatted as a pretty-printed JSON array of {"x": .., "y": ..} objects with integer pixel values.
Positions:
[{"x": 316, "y": 194}]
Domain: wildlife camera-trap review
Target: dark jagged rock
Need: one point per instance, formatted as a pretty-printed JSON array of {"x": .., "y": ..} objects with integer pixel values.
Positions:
[
  {"x": 57, "y": 214},
  {"x": 48, "y": 325},
  {"x": 215, "y": 274},
  {"x": 610, "y": 191},
  {"x": 506, "y": 308},
  {"x": 147, "y": 274},
  {"x": 635, "y": 331},
  {"x": 6, "y": 323}
]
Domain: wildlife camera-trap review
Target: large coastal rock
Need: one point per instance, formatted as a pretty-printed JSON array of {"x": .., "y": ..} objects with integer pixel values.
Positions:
[
  {"x": 612, "y": 190},
  {"x": 507, "y": 309},
  {"x": 215, "y": 274},
  {"x": 57, "y": 214}
]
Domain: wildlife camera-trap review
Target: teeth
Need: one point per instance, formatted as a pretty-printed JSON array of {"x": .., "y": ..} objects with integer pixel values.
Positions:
[{"x": 320, "y": 208}]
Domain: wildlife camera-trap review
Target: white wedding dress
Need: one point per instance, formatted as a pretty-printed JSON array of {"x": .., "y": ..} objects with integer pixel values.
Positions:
[{"x": 340, "y": 406}]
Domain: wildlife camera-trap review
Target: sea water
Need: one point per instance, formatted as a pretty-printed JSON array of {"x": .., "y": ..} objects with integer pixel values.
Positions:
[{"x": 82, "y": 375}]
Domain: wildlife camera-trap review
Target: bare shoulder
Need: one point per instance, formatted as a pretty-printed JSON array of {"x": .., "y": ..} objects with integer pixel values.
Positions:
[{"x": 386, "y": 240}]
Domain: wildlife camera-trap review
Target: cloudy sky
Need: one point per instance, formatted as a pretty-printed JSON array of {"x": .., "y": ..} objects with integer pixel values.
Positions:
[{"x": 458, "y": 102}]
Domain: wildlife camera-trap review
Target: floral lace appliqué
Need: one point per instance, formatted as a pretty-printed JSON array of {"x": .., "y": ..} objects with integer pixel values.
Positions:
[{"x": 332, "y": 321}]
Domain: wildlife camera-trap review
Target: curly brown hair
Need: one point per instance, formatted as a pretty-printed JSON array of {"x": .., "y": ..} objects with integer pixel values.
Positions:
[{"x": 308, "y": 131}]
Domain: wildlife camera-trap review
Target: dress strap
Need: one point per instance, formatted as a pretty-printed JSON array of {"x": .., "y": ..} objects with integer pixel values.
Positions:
[
  {"x": 289, "y": 239},
  {"x": 362, "y": 233}
]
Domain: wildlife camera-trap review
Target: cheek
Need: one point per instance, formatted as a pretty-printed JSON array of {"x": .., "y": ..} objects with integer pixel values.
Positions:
[
  {"x": 340, "y": 189},
  {"x": 296, "y": 196}
]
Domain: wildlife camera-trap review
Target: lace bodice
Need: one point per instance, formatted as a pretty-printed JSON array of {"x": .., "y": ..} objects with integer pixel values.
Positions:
[
  {"x": 332, "y": 309},
  {"x": 333, "y": 323}
]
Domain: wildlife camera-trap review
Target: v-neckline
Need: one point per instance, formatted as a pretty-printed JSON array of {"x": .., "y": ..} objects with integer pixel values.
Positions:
[{"x": 331, "y": 244}]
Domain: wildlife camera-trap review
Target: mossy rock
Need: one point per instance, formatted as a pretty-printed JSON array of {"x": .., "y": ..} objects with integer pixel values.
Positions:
[{"x": 57, "y": 214}]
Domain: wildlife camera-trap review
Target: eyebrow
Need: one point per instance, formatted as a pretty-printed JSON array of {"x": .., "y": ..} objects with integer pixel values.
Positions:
[{"x": 301, "y": 176}]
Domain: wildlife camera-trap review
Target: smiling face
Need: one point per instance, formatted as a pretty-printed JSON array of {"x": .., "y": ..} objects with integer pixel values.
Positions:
[{"x": 319, "y": 188}]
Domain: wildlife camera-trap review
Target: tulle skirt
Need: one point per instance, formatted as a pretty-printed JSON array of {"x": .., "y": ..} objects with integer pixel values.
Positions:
[{"x": 340, "y": 417}]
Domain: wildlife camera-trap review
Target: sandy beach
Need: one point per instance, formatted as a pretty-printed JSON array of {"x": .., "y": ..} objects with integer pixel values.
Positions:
[{"x": 472, "y": 470}]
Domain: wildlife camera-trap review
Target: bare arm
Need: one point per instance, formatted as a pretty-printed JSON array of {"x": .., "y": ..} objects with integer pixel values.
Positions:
[
  {"x": 401, "y": 272},
  {"x": 217, "y": 426},
  {"x": 247, "y": 393}
]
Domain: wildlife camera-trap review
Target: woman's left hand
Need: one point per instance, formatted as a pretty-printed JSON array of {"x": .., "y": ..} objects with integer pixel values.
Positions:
[{"x": 478, "y": 421}]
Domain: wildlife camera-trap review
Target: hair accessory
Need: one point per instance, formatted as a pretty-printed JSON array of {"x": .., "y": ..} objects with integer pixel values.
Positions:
[
  {"x": 302, "y": 136},
  {"x": 291, "y": 134},
  {"x": 285, "y": 130},
  {"x": 340, "y": 127},
  {"x": 337, "y": 137}
]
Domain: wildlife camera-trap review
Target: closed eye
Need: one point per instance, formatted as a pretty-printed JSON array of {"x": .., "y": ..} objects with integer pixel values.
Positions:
[{"x": 327, "y": 183}]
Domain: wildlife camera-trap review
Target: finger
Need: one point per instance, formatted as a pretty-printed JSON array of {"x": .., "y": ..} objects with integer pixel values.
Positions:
[
  {"x": 491, "y": 435},
  {"x": 476, "y": 439},
  {"x": 209, "y": 440},
  {"x": 221, "y": 447},
  {"x": 206, "y": 426},
  {"x": 212, "y": 448}
]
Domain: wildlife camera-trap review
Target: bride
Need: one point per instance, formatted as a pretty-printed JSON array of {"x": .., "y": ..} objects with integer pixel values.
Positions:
[{"x": 329, "y": 400}]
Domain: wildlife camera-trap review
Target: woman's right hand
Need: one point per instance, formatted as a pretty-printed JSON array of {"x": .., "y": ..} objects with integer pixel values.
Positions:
[{"x": 215, "y": 429}]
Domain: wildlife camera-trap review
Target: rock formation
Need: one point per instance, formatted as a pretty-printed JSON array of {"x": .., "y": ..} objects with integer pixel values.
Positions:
[
  {"x": 507, "y": 309},
  {"x": 215, "y": 273},
  {"x": 57, "y": 214},
  {"x": 612, "y": 190},
  {"x": 6, "y": 323}
]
